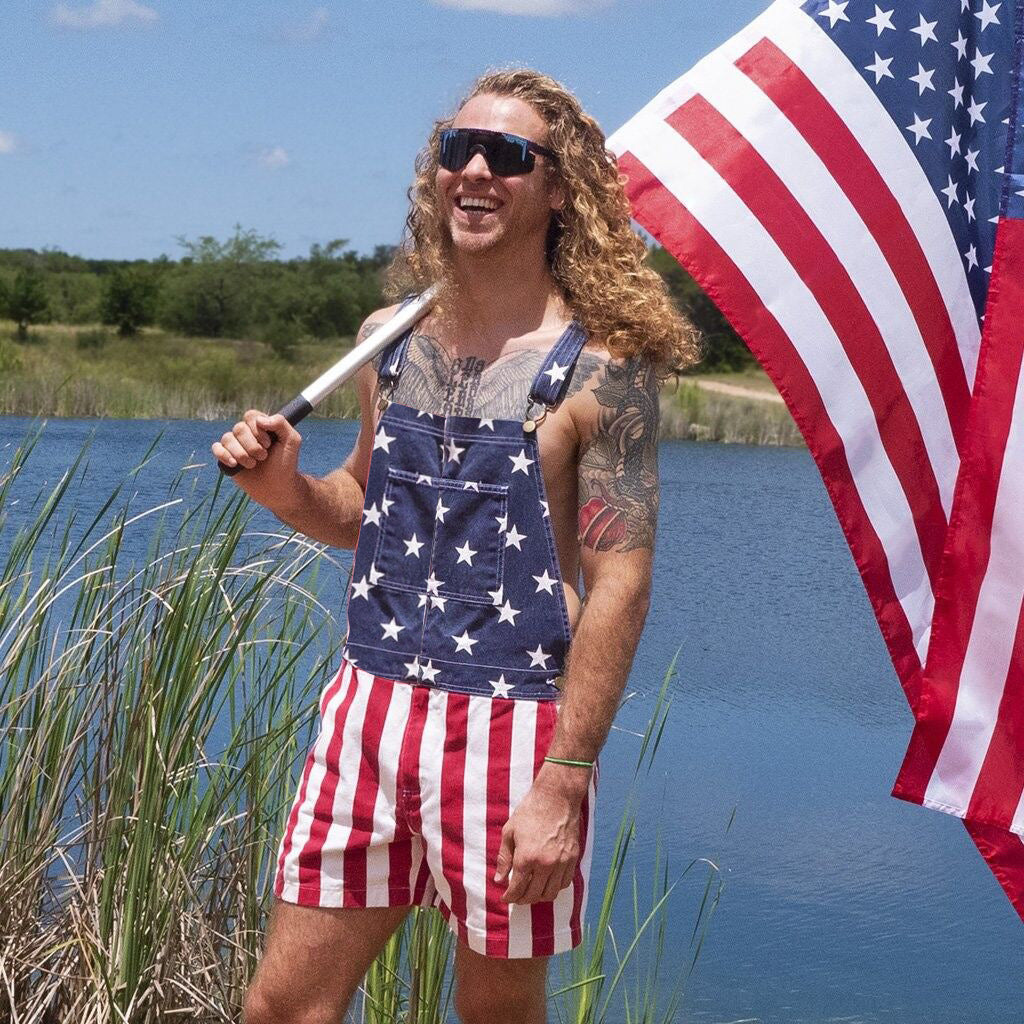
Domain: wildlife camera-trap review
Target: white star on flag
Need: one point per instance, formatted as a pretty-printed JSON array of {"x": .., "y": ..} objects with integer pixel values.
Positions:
[
  {"x": 920, "y": 129},
  {"x": 361, "y": 589},
  {"x": 496, "y": 595},
  {"x": 412, "y": 546},
  {"x": 545, "y": 583},
  {"x": 507, "y": 613},
  {"x": 969, "y": 208},
  {"x": 953, "y": 142},
  {"x": 880, "y": 69},
  {"x": 971, "y": 156},
  {"x": 454, "y": 451},
  {"x": 375, "y": 576},
  {"x": 433, "y": 584},
  {"x": 428, "y": 671},
  {"x": 487, "y": 422},
  {"x": 441, "y": 509},
  {"x": 926, "y": 30},
  {"x": 975, "y": 109},
  {"x": 882, "y": 20},
  {"x": 424, "y": 478},
  {"x": 471, "y": 485},
  {"x": 972, "y": 257},
  {"x": 438, "y": 602},
  {"x": 835, "y": 12},
  {"x": 556, "y": 373},
  {"x": 957, "y": 92},
  {"x": 502, "y": 522},
  {"x": 520, "y": 462},
  {"x": 513, "y": 537},
  {"x": 464, "y": 642},
  {"x": 466, "y": 554},
  {"x": 960, "y": 45},
  {"x": 538, "y": 657},
  {"x": 382, "y": 441},
  {"x": 412, "y": 668},
  {"x": 372, "y": 515},
  {"x": 501, "y": 688},
  {"x": 385, "y": 505},
  {"x": 391, "y": 629},
  {"x": 950, "y": 192},
  {"x": 923, "y": 79}
]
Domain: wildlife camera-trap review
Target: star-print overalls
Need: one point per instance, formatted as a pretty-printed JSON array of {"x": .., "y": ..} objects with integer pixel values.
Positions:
[
  {"x": 438, "y": 721},
  {"x": 455, "y": 578}
]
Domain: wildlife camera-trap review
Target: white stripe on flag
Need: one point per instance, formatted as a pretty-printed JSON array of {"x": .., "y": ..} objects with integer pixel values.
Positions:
[
  {"x": 800, "y": 169},
  {"x": 720, "y": 211},
  {"x": 989, "y": 649},
  {"x": 524, "y": 737},
  {"x": 431, "y": 758},
  {"x": 474, "y": 817},
  {"x": 810, "y": 48}
]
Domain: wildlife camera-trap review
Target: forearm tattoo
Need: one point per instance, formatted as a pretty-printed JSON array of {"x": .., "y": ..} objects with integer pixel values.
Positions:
[
  {"x": 618, "y": 465},
  {"x": 435, "y": 382}
]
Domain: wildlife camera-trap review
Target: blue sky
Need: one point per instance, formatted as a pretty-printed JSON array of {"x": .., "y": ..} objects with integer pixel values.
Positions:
[{"x": 124, "y": 123}]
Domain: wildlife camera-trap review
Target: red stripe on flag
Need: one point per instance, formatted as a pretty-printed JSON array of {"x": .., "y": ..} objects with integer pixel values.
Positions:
[
  {"x": 310, "y": 861},
  {"x": 752, "y": 178},
  {"x": 293, "y": 817},
  {"x": 365, "y": 799},
  {"x": 1004, "y": 854},
  {"x": 543, "y": 914},
  {"x": 855, "y": 173},
  {"x": 968, "y": 545},
  {"x": 499, "y": 760},
  {"x": 672, "y": 224},
  {"x": 453, "y": 800}
]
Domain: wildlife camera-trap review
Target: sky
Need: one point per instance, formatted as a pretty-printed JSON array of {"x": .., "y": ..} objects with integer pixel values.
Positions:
[{"x": 125, "y": 124}]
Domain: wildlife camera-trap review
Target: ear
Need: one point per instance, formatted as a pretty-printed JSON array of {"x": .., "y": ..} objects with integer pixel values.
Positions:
[{"x": 557, "y": 197}]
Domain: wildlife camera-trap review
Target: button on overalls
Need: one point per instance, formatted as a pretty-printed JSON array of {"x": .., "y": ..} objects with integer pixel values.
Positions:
[{"x": 455, "y": 577}]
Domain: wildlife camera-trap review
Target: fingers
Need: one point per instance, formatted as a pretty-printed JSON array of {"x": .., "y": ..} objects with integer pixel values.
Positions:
[
  {"x": 248, "y": 442},
  {"x": 521, "y": 879},
  {"x": 534, "y": 882}
]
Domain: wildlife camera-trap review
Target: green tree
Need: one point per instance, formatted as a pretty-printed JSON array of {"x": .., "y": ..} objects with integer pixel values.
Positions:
[
  {"x": 724, "y": 348},
  {"x": 220, "y": 287},
  {"x": 129, "y": 300},
  {"x": 26, "y": 302}
]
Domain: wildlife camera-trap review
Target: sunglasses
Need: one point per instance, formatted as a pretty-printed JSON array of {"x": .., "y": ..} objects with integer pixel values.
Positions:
[{"x": 506, "y": 155}]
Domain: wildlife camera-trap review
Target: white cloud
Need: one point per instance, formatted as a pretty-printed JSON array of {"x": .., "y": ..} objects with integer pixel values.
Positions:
[
  {"x": 274, "y": 158},
  {"x": 102, "y": 14},
  {"x": 315, "y": 25},
  {"x": 8, "y": 143},
  {"x": 534, "y": 8}
]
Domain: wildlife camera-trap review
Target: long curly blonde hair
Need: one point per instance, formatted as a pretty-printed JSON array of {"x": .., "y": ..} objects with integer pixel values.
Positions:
[{"x": 593, "y": 253}]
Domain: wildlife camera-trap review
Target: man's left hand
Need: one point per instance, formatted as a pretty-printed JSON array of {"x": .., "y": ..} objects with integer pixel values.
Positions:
[{"x": 540, "y": 843}]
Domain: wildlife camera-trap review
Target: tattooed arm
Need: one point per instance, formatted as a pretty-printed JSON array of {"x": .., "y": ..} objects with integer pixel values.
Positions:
[{"x": 618, "y": 511}]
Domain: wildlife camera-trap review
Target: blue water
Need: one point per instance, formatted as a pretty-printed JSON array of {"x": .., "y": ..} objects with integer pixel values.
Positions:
[{"x": 840, "y": 903}]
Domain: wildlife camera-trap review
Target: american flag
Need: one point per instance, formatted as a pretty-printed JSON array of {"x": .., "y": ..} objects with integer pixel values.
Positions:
[{"x": 834, "y": 177}]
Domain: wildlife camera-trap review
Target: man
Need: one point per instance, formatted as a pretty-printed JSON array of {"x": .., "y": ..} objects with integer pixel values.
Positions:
[{"x": 455, "y": 761}]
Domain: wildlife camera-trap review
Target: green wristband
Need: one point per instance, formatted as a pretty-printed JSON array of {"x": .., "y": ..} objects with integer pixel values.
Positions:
[{"x": 572, "y": 764}]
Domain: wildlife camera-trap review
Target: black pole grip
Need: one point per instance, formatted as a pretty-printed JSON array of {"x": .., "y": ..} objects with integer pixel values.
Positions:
[{"x": 294, "y": 412}]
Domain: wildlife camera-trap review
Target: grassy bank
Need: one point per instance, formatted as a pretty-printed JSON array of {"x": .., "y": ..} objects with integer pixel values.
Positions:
[
  {"x": 151, "y": 713},
  {"x": 84, "y": 372}
]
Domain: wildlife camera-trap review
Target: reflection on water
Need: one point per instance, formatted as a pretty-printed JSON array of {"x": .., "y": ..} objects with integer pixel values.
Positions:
[{"x": 841, "y": 904}]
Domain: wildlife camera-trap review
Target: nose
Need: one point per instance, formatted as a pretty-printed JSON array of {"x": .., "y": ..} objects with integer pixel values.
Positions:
[{"x": 477, "y": 165}]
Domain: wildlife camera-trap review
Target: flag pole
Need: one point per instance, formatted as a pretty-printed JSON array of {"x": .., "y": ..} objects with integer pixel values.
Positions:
[{"x": 345, "y": 368}]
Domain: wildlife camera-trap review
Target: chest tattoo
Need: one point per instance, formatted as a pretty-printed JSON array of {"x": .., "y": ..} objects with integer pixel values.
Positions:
[{"x": 435, "y": 382}]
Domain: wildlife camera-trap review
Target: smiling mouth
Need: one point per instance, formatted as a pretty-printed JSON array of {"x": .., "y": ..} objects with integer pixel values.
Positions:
[{"x": 480, "y": 207}]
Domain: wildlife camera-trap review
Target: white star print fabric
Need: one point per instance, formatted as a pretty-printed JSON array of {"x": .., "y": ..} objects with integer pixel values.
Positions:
[{"x": 455, "y": 577}]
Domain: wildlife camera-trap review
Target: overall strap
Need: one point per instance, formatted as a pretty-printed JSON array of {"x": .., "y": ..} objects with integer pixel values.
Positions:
[
  {"x": 392, "y": 359},
  {"x": 553, "y": 375}
]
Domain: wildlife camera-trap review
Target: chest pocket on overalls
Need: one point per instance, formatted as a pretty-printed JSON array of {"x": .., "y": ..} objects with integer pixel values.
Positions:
[{"x": 442, "y": 536}]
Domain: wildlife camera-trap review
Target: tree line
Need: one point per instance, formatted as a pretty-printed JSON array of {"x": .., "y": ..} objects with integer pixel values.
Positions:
[{"x": 241, "y": 288}]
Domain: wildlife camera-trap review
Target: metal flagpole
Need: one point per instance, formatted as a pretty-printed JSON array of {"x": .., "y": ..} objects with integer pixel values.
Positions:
[{"x": 346, "y": 367}]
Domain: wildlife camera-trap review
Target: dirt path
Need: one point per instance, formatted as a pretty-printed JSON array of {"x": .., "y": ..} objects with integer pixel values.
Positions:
[{"x": 737, "y": 391}]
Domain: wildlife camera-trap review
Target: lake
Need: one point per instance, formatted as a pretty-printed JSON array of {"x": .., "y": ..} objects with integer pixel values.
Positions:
[{"x": 840, "y": 904}]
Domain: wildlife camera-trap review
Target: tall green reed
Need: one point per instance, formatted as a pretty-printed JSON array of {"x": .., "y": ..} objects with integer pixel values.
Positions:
[{"x": 159, "y": 672}]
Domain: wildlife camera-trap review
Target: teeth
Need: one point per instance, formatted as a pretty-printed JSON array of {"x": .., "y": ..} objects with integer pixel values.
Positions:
[{"x": 477, "y": 204}]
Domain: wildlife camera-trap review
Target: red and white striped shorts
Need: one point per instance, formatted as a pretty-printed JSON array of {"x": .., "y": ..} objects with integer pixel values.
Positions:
[{"x": 402, "y": 801}]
